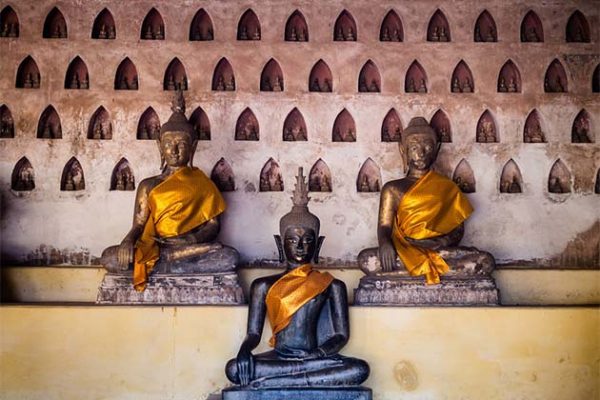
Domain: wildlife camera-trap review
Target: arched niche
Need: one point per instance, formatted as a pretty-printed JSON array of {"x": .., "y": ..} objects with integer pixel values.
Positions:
[
  {"x": 597, "y": 185},
  {"x": 223, "y": 78},
  {"x": 320, "y": 79},
  {"x": 100, "y": 126},
  {"x": 438, "y": 29},
  {"x": 555, "y": 80},
  {"x": 559, "y": 178},
  {"x": 7, "y": 123},
  {"x": 441, "y": 125},
  {"x": 391, "y": 28},
  {"x": 531, "y": 28},
  {"x": 578, "y": 29},
  {"x": 270, "y": 177},
  {"x": 126, "y": 77},
  {"x": 175, "y": 76},
  {"x": 104, "y": 26},
  {"x": 487, "y": 131},
  {"x": 249, "y": 26},
  {"x": 463, "y": 177},
  {"x": 247, "y": 127},
  {"x": 28, "y": 74},
  {"x": 72, "y": 176},
  {"x": 201, "y": 28},
  {"x": 296, "y": 28},
  {"x": 511, "y": 180},
  {"x": 294, "y": 127},
  {"x": 319, "y": 179},
  {"x": 462, "y": 79},
  {"x": 369, "y": 177},
  {"x": 596, "y": 80},
  {"x": 485, "y": 28},
  {"x": 581, "y": 132},
  {"x": 222, "y": 176},
  {"x": 271, "y": 78},
  {"x": 122, "y": 177},
  {"x": 77, "y": 76},
  {"x": 55, "y": 26},
  {"x": 391, "y": 128},
  {"x": 509, "y": 78},
  {"x": 23, "y": 178},
  {"x": 9, "y": 23},
  {"x": 344, "y": 29},
  {"x": 344, "y": 128},
  {"x": 416, "y": 79},
  {"x": 369, "y": 79},
  {"x": 49, "y": 126},
  {"x": 153, "y": 26},
  {"x": 533, "y": 132},
  {"x": 149, "y": 125},
  {"x": 200, "y": 122}
]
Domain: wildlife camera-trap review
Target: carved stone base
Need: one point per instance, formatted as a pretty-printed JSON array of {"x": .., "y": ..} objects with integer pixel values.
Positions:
[
  {"x": 217, "y": 288},
  {"x": 338, "y": 393},
  {"x": 413, "y": 291}
]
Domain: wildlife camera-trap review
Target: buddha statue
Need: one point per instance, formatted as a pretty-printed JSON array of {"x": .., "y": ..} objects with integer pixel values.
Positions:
[{"x": 308, "y": 314}]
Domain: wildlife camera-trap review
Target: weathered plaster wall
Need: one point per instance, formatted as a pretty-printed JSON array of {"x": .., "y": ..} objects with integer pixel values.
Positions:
[{"x": 52, "y": 227}]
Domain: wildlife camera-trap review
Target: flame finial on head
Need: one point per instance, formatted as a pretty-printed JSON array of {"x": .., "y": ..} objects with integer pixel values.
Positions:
[
  {"x": 299, "y": 215},
  {"x": 178, "y": 121},
  {"x": 300, "y": 193},
  {"x": 178, "y": 102}
]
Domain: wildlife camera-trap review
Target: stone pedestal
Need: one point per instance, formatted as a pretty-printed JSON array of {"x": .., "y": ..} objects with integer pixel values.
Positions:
[
  {"x": 343, "y": 393},
  {"x": 214, "y": 288}
]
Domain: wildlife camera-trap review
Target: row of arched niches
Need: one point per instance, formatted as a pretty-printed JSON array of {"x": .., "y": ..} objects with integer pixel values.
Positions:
[
  {"x": 576, "y": 29},
  {"x": 247, "y": 128}
]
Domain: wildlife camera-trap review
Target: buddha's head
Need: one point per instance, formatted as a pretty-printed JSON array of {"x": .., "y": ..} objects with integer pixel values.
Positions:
[
  {"x": 419, "y": 145},
  {"x": 177, "y": 140}
]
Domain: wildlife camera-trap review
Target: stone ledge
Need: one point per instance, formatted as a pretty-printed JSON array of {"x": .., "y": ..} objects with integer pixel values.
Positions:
[{"x": 354, "y": 393}]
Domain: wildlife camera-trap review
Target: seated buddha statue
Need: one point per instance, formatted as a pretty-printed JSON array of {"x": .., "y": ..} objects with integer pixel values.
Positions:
[
  {"x": 307, "y": 311},
  {"x": 421, "y": 219},
  {"x": 176, "y": 214}
]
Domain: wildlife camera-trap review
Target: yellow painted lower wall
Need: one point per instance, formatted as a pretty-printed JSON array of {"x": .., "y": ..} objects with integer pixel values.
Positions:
[{"x": 173, "y": 353}]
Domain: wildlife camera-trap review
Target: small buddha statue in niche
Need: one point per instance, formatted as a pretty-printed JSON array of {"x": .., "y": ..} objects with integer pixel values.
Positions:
[
  {"x": 308, "y": 313},
  {"x": 230, "y": 85},
  {"x": 315, "y": 86},
  {"x": 456, "y": 86},
  {"x": 423, "y": 86},
  {"x": 467, "y": 87},
  {"x": 362, "y": 85},
  {"x": 411, "y": 88},
  {"x": 339, "y": 36},
  {"x": 385, "y": 34}
]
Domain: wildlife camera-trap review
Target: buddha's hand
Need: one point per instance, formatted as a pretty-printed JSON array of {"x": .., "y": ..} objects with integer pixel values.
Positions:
[
  {"x": 387, "y": 257},
  {"x": 431, "y": 244},
  {"x": 245, "y": 366},
  {"x": 125, "y": 253}
]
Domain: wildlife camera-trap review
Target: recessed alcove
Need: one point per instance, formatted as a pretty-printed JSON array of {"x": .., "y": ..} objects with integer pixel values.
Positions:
[
  {"x": 249, "y": 26},
  {"x": 7, "y": 123},
  {"x": 9, "y": 23},
  {"x": 100, "y": 126},
  {"x": 77, "y": 76},
  {"x": 391, "y": 128},
  {"x": 223, "y": 78},
  {"x": 247, "y": 127},
  {"x": 369, "y": 79},
  {"x": 28, "y": 74},
  {"x": 55, "y": 26},
  {"x": 122, "y": 177},
  {"x": 511, "y": 180},
  {"x": 555, "y": 80},
  {"x": 294, "y": 127},
  {"x": 270, "y": 177},
  {"x": 597, "y": 184},
  {"x": 559, "y": 179},
  {"x": 441, "y": 125},
  {"x": 581, "y": 132},
  {"x": 369, "y": 177},
  {"x": 344, "y": 29},
  {"x": 487, "y": 131},
  {"x": 222, "y": 176},
  {"x": 485, "y": 28},
  {"x": 175, "y": 76},
  {"x": 153, "y": 26},
  {"x": 531, "y": 28},
  {"x": 319, "y": 178},
  {"x": 533, "y": 132},
  {"x": 49, "y": 126},
  {"x": 578, "y": 29},
  {"x": 391, "y": 28},
  {"x": 296, "y": 28},
  {"x": 438, "y": 29},
  {"x": 72, "y": 176},
  {"x": 201, "y": 28},
  {"x": 23, "y": 178},
  {"x": 126, "y": 77},
  {"x": 344, "y": 128},
  {"x": 200, "y": 122},
  {"x": 462, "y": 79},
  {"x": 509, "y": 78},
  {"x": 596, "y": 80},
  {"x": 271, "y": 78},
  {"x": 416, "y": 79},
  {"x": 320, "y": 79},
  {"x": 149, "y": 125},
  {"x": 104, "y": 26},
  {"x": 463, "y": 177}
]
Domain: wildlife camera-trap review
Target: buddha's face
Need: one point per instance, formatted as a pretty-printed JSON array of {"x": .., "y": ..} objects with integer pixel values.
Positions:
[
  {"x": 175, "y": 148},
  {"x": 299, "y": 244},
  {"x": 421, "y": 150}
]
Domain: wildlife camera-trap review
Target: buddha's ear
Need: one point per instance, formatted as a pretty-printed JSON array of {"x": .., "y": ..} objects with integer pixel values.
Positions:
[
  {"x": 318, "y": 248},
  {"x": 162, "y": 156},
  {"x": 193, "y": 152},
  {"x": 279, "y": 244},
  {"x": 403, "y": 156}
]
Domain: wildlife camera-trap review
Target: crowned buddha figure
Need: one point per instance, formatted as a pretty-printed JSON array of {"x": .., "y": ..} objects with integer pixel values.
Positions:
[{"x": 308, "y": 314}]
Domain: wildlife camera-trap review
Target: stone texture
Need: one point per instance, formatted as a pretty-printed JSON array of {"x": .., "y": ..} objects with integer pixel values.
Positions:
[{"x": 358, "y": 393}]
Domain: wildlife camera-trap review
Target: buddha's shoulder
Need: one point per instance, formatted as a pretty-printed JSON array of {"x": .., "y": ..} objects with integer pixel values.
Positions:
[
  {"x": 397, "y": 186},
  {"x": 265, "y": 282},
  {"x": 150, "y": 183}
]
